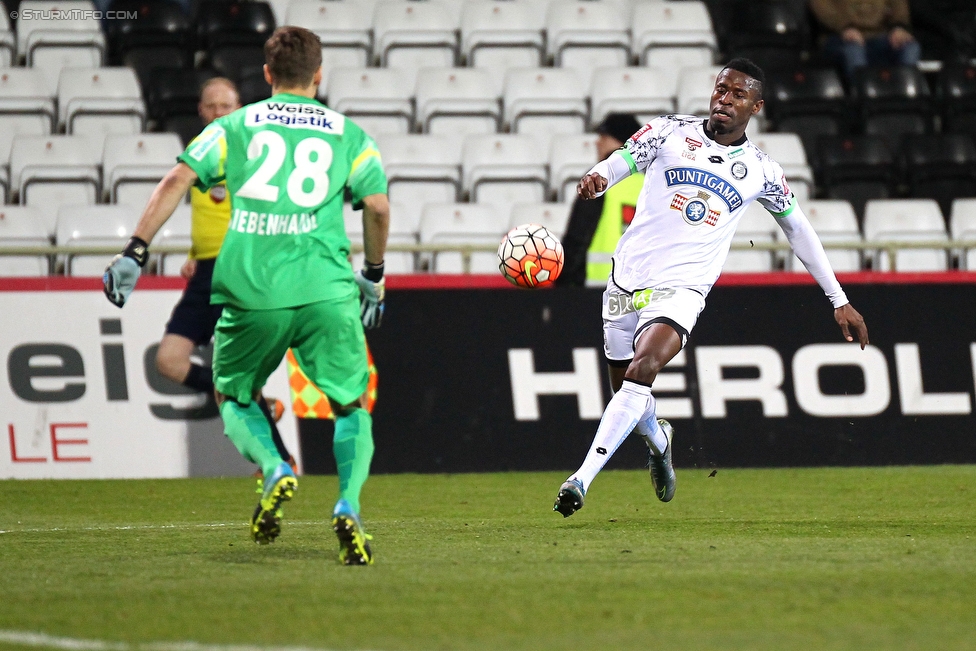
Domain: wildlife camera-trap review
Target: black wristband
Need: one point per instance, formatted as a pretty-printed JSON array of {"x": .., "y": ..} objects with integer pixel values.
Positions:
[
  {"x": 137, "y": 249},
  {"x": 373, "y": 272}
]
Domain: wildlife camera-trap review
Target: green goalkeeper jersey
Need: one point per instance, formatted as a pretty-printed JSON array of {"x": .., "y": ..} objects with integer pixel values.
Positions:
[{"x": 288, "y": 162}]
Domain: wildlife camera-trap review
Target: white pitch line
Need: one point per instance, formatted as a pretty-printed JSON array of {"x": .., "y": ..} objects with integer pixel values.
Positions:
[
  {"x": 27, "y": 638},
  {"x": 145, "y": 527}
]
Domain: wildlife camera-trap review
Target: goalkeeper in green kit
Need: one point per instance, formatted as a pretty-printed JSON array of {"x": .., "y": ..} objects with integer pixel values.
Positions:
[{"x": 283, "y": 273}]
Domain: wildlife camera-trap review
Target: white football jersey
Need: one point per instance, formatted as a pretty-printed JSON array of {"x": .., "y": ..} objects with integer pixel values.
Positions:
[{"x": 695, "y": 191}]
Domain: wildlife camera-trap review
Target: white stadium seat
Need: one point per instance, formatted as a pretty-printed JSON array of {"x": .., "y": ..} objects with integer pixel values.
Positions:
[
  {"x": 906, "y": 220},
  {"x": 50, "y": 171},
  {"x": 420, "y": 169},
  {"x": 645, "y": 93},
  {"x": 835, "y": 221},
  {"x": 755, "y": 225},
  {"x": 415, "y": 34},
  {"x": 962, "y": 223},
  {"x": 457, "y": 101},
  {"x": 8, "y": 42},
  {"x": 81, "y": 226},
  {"x": 51, "y": 36},
  {"x": 570, "y": 157},
  {"x": 462, "y": 223},
  {"x": 175, "y": 232},
  {"x": 403, "y": 230},
  {"x": 345, "y": 29},
  {"x": 26, "y": 108},
  {"x": 545, "y": 101},
  {"x": 504, "y": 169},
  {"x": 587, "y": 35},
  {"x": 496, "y": 36},
  {"x": 100, "y": 101},
  {"x": 787, "y": 150},
  {"x": 23, "y": 226},
  {"x": 673, "y": 34},
  {"x": 554, "y": 216},
  {"x": 133, "y": 165},
  {"x": 377, "y": 99},
  {"x": 695, "y": 89}
]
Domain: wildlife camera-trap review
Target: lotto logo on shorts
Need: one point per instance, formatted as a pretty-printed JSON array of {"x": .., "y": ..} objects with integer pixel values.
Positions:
[{"x": 695, "y": 212}]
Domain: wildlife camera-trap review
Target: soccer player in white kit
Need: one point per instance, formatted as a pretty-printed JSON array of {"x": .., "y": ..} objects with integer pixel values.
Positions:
[{"x": 700, "y": 175}]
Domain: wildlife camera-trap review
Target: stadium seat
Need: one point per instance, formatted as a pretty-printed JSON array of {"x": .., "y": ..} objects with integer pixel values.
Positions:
[
  {"x": 462, "y": 223},
  {"x": 962, "y": 225},
  {"x": 415, "y": 34},
  {"x": 835, "y": 221},
  {"x": 545, "y": 101},
  {"x": 496, "y": 36},
  {"x": 23, "y": 226},
  {"x": 503, "y": 169},
  {"x": 236, "y": 61},
  {"x": 695, "y": 89},
  {"x": 457, "y": 101},
  {"x": 892, "y": 102},
  {"x": 223, "y": 23},
  {"x": 26, "y": 108},
  {"x": 644, "y": 92},
  {"x": 8, "y": 41},
  {"x": 906, "y": 220},
  {"x": 404, "y": 227},
  {"x": 956, "y": 91},
  {"x": 133, "y": 165},
  {"x": 420, "y": 169},
  {"x": 48, "y": 41},
  {"x": 672, "y": 35},
  {"x": 100, "y": 101},
  {"x": 585, "y": 35},
  {"x": 554, "y": 216},
  {"x": 377, "y": 99},
  {"x": 172, "y": 98},
  {"x": 940, "y": 167},
  {"x": 756, "y": 225},
  {"x": 344, "y": 28},
  {"x": 570, "y": 157},
  {"x": 809, "y": 102},
  {"x": 772, "y": 33},
  {"x": 175, "y": 232},
  {"x": 50, "y": 171},
  {"x": 787, "y": 150},
  {"x": 252, "y": 87},
  {"x": 855, "y": 168},
  {"x": 86, "y": 226},
  {"x": 148, "y": 36}
]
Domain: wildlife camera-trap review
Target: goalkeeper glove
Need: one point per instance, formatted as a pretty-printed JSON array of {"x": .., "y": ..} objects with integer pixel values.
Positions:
[
  {"x": 122, "y": 273},
  {"x": 372, "y": 291}
]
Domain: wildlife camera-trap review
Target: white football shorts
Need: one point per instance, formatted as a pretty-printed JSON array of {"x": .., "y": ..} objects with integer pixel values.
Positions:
[{"x": 627, "y": 315}]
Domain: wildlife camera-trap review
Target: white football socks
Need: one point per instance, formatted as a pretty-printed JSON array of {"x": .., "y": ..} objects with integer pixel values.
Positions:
[
  {"x": 651, "y": 431},
  {"x": 628, "y": 406}
]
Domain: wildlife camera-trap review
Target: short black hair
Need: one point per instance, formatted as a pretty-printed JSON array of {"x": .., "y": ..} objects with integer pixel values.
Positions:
[{"x": 747, "y": 67}]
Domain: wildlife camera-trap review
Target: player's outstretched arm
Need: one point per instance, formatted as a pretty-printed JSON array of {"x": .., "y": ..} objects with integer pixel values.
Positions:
[
  {"x": 122, "y": 273},
  {"x": 605, "y": 174},
  {"x": 372, "y": 285},
  {"x": 848, "y": 318}
]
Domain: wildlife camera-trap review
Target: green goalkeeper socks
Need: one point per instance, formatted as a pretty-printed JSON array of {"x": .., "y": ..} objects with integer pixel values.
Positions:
[
  {"x": 353, "y": 449},
  {"x": 248, "y": 430}
]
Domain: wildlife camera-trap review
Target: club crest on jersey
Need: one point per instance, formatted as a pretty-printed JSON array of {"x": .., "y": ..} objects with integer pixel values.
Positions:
[
  {"x": 706, "y": 180},
  {"x": 695, "y": 210},
  {"x": 739, "y": 170},
  {"x": 218, "y": 193}
]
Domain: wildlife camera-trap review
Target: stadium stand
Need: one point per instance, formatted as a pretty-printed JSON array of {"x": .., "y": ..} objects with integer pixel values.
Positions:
[
  {"x": 457, "y": 101},
  {"x": 344, "y": 28},
  {"x": 172, "y": 99},
  {"x": 23, "y": 226},
  {"x": 497, "y": 36},
  {"x": 100, "y": 101},
  {"x": 415, "y": 34},
  {"x": 156, "y": 36},
  {"x": 50, "y": 41},
  {"x": 835, "y": 221},
  {"x": 856, "y": 168},
  {"x": 809, "y": 102},
  {"x": 26, "y": 108},
  {"x": 51, "y": 171},
  {"x": 962, "y": 226},
  {"x": 420, "y": 169},
  {"x": 379, "y": 99},
  {"x": 462, "y": 223},
  {"x": 673, "y": 35},
  {"x": 787, "y": 150},
  {"x": 695, "y": 89},
  {"x": 956, "y": 90},
  {"x": 906, "y": 220},
  {"x": 81, "y": 226},
  {"x": 175, "y": 232},
  {"x": 940, "y": 167},
  {"x": 773, "y": 34},
  {"x": 755, "y": 226},
  {"x": 587, "y": 35},
  {"x": 892, "y": 102},
  {"x": 554, "y": 216},
  {"x": 544, "y": 101},
  {"x": 404, "y": 229},
  {"x": 643, "y": 92},
  {"x": 132, "y": 165},
  {"x": 570, "y": 157},
  {"x": 504, "y": 169},
  {"x": 8, "y": 40}
]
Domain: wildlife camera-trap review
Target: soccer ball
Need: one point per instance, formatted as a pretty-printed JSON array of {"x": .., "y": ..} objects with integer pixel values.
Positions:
[{"x": 530, "y": 256}]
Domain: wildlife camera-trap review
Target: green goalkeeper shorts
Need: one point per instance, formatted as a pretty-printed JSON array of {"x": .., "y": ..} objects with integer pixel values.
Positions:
[{"x": 326, "y": 337}]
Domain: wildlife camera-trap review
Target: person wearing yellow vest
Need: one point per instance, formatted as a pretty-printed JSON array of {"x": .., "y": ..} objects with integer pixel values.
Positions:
[
  {"x": 194, "y": 318},
  {"x": 595, "y": 226}
]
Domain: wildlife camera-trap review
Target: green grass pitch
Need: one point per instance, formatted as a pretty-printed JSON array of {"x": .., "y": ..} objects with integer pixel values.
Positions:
[{"x": 855, "y": 558}]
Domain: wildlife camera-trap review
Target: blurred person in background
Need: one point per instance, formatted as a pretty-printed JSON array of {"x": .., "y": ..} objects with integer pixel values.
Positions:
[
  {"x": 867, "y": 32},
  {"x": 595, "y": 226}
]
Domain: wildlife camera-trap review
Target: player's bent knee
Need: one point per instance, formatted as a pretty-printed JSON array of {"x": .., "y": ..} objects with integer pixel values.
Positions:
[{"x": 344, "y": 410}]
